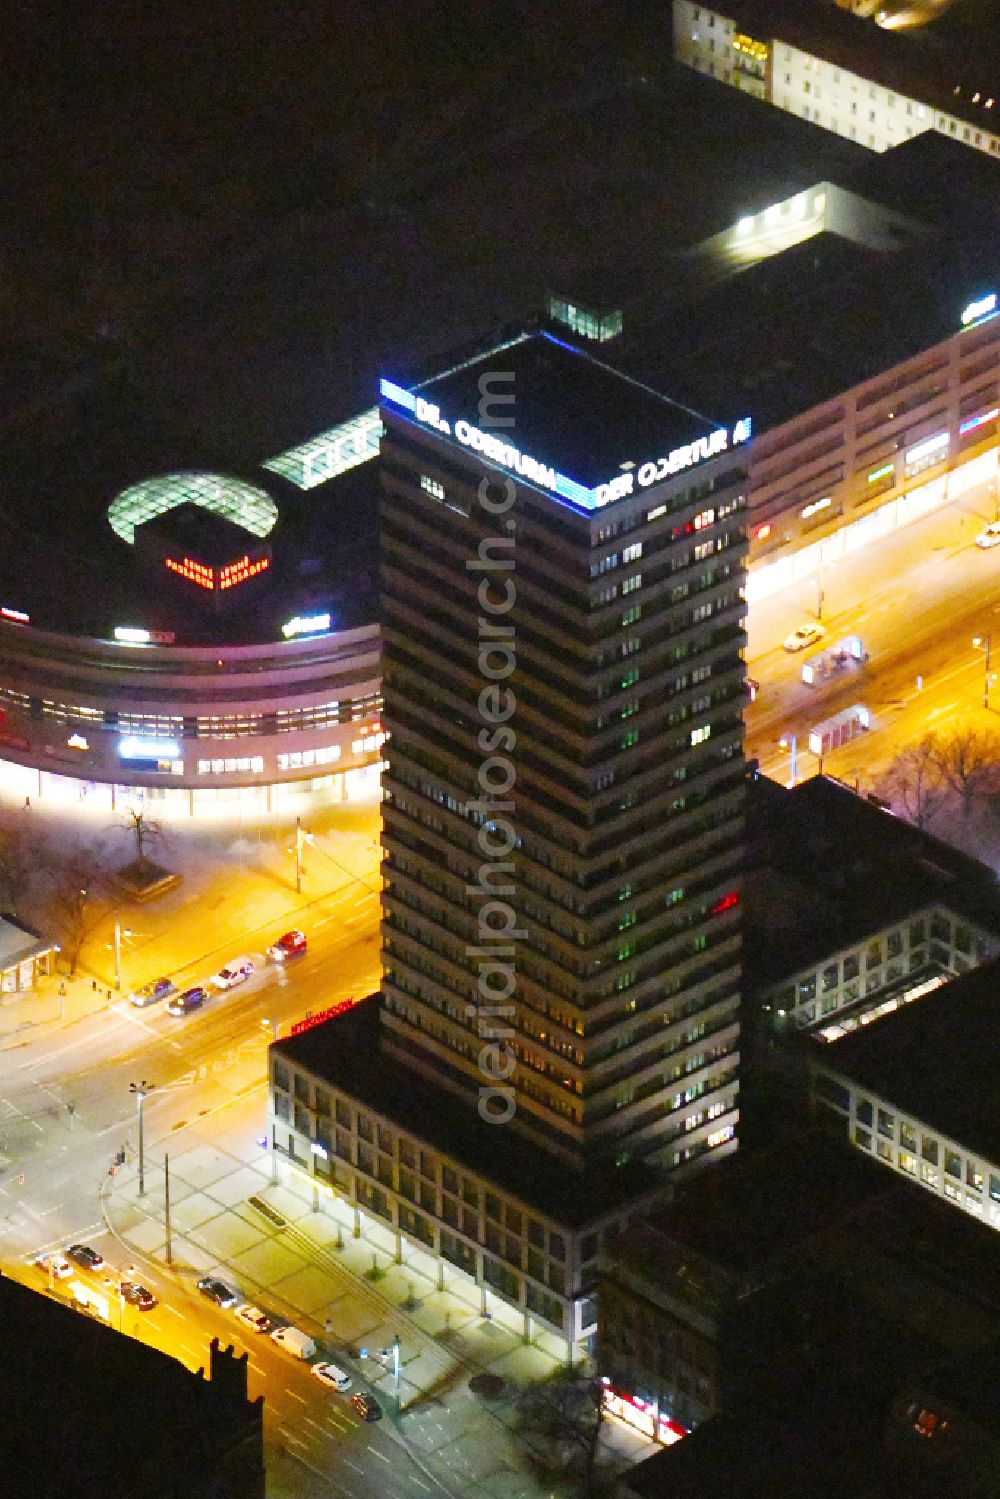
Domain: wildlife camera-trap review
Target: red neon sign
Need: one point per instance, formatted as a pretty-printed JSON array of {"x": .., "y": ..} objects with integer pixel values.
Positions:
[
  {"x": 195, "y": 572},
  {"x": 238, "y": 572},
  {"x": 725, "y": 904},
  {"x": 227, "y": 577},
  {"x": 321, "y": 1017}
]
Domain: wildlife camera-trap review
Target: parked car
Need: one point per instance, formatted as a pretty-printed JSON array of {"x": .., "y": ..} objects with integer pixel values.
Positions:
[
  {"x": 191, "y": 999},
  {"x": 253, "y": 1317},
  {"x": 138, "y": 1296},
  {"x": 804, "y": 636},
  {"x": 990, "y": 537},
  {"x": 236, "y": 971},
  {"x": 329, "y": 1374},
  {"x": 57, "y": 1263},
  {"x": 297, "y": 1342},
  {"x": 85, "y": 1256},
  {"x": 367, "y": 1407},
  {"x": 291, "y": 945},
  {"x": 217, "y": 1291},
  {"x": 151, "y": 994}
]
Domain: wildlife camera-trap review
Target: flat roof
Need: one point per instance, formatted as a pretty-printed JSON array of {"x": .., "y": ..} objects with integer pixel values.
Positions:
[
  {"x": 723, "y": 345},
  {"x": 347, "y": 1053},
  {"x": 568, "y": 410},
  {"x": 827, "y": 867},
  {"x": 934, "y": 1061},
  {"x": 19, "y": 941},
  {"x": 918, "y": 62}
]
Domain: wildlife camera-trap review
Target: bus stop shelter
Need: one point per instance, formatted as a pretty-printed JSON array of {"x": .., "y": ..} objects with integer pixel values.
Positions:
[
  {"x": 840, "y": 729},
  {"x": 25, "y": 955}
]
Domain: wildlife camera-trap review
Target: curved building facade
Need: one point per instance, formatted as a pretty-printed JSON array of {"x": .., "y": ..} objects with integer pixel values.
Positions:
[{"x": 190, "y": 723}]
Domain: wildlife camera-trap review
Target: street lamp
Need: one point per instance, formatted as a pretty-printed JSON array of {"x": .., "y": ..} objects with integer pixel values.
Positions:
[
  {"x": 139, "y": 1092},
  {"x": 983, "y": 643},
  {"x": 120, "y": 932}
]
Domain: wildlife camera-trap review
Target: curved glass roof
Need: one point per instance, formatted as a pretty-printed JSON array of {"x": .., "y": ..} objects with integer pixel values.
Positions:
[{"x": 248, "y": 507}]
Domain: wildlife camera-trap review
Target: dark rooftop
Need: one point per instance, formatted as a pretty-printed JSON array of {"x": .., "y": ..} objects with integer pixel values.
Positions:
[
  {"x": 86, "y": 1413},
  {"x": 827, "y": 867},
  {"x": 571, "y": 410},
  {"x": 709, "y": 350},
  {"x": 345, "y": 1052},
  {"x": 935, "y": 1061}
]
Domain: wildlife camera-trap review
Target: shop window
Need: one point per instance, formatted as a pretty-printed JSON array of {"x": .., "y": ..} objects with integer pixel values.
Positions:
[
  {"x": 831, "y": 978},
  {"x": 973, "y": 1176},
  {"x": 886, "y": 1123},
  {"x": 907, "y": 1136}
]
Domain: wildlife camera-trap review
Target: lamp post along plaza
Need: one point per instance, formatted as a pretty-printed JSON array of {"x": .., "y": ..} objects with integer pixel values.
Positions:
[{"x": 140, "y": 1091}]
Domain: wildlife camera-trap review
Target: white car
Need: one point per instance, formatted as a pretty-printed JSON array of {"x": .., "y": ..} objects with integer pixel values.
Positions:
[
  {"x": 804, "y": 636},
  {"x": 254, "y": 1317},
  {"x": 990, "y": 537},
  {"x": 59, "y": 1265},
  {"x": 236, "y": 971},
  {"x": 330, "y": 1375}
]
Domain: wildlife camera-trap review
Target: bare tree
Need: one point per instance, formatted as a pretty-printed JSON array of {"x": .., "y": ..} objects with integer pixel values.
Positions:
[
  {"x": 969, "y": 761},
  {"x": 916, "y": 780},
  {"x": 75, "y": 882},
  {"x": 561, "y": 1421},
  {"x": 22, "y": 853},
  {"x": 144, "y": 829}
]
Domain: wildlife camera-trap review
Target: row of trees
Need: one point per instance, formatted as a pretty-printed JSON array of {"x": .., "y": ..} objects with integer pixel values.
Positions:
[
  {"x": 63, "y": 888},
  {"x": 963, "y": 763}
]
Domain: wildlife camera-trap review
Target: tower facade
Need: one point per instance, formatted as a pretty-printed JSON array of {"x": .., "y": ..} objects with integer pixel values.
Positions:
[
  {"x": 563, "y": 691},
  {"x": 557, "y": 1033}
]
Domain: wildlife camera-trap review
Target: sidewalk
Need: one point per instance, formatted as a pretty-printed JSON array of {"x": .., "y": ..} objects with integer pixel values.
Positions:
[{"x": 304, "y": 1262}]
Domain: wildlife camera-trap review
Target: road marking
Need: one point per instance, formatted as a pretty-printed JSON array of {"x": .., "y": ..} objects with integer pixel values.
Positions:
[
  {"x": 377, "y": 1453},
  {"x": 300, "y": 1398},
  {"x": 310, "y": 1422},
  {"x": 425, "y": 1486},
  {"x": 291, "y": 1437},
  {"x": 168, "y": 1308}
]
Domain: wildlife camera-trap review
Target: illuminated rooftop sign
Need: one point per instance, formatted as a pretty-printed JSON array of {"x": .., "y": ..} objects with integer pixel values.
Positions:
[
  {"x": 220, "y": 578},
  {"x": 979, "y": 421},
  {"x": 306, "y": 624},
  {"x": 17, "y": 615},
  {"x": 935, "y": 444},
  {"x": 979, "y": 310},
  {"x": 506, "y": 455}
]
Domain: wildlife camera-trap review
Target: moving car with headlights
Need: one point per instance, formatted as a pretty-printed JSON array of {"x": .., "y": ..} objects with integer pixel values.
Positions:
[
  {"x": 236, "y": 971},
  {"x": 85, "y": 1256},
  {"x": 191, "y": 999},
  {"x": 217, "y": 1291},
  {"x": 329, "y": 1374},
  {"x": 290, "y": 945},
  {"x": 57, "y": 1263},
  {"x": 804, "y": 636},
  {"x": 138, "y": 1296},
  {"x": 253, "y": 1317},
  {"x": 367, "y": 1407},
  {"x": 151, "y": 994},
  {"x": 990, "y": 537}
]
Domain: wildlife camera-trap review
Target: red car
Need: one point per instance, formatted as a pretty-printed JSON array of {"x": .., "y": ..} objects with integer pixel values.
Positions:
[{"x": 291, "y": 945}]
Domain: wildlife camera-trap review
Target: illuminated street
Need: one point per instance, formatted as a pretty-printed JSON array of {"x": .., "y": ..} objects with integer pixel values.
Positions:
[{"x": 917, "y": 599}]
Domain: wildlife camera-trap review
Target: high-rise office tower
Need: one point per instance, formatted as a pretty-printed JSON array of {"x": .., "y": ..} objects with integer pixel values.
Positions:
[{"x": 562, "y": 569}]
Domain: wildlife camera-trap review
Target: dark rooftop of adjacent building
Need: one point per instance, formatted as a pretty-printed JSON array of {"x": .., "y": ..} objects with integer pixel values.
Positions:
[
  {"x": 345, "y": 1051},
  {"x": 935, "y": 1061},
  {"x": 827, "y": 867},
  {"x": 86, "y": 1413}
]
